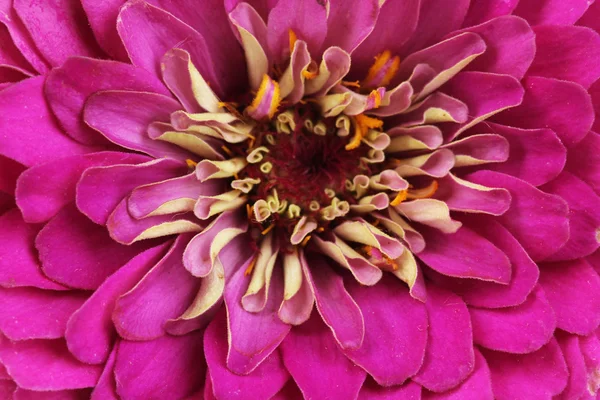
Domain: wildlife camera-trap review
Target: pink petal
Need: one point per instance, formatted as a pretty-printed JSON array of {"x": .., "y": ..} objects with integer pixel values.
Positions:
[
  {"x": 557, "y": 46},
  {"x": 67, "y": 93},
  {"x": 383, "y": 38},
  {"x": 78, "y": 253},
  {"x": 449, "y": 357},
  {"x": 11, "y": 170},
  {"x": 289, "y": 392},
  {"x": 46, "y": 365},
  {"x": 510, "y": 46},
  {"x": 44, "y": 189},
  {"x": 478, "y": 386},
  {"x": 312, "y": 30},
  {"x": 24, "y": 394},
  {"x": 101, "y": 189},
  {"x": 536, "y": 155},
  {"x": 7, "y": 388},
  {"x": 573, "y": 290},
  {"x": 106, "y": 388},
  {"x": 170, "y": 366},
  {"x": 564, "y": 107},
  {"x": 263, "y": 383},
  {"x": 90, "y": 332},
  {"x": 102, "y": 16},
  {"x": 349, "y": 23},
  {"x": 483, "y": 294},
  {"x": 584, "y": 216},
  {"x": 253, "y": 336},
  {"x": 59, "y": 29},
  {"x": 123, "y": 118},
  {"x": 577, "y": 385},
  {"x": 437, "y": 18},
  {"x": 464, "y": 254},
  {"x": 460, "y": 197},
  {"x": 372, "y": 391},
  {"x": 337, "y": 308},
  {"x": 481, "y": 11},
  {"x": 552, "y": 12},
  {"x": 584, "y": 160},
  {"x": 519, "y": 329},
  {"x": 31, "y": 313},
  {"x": 395, "y": 331},
  {"x": 164, "y": 293},
  {"x": 310, "y": 351},
  {"x": 25, "y": 114},
  {"x": 539, "y": 221},
  {"x": 163, "y": 32},
  {"x": 19, "y": 265},
  {"x": 538, "y": 375}
]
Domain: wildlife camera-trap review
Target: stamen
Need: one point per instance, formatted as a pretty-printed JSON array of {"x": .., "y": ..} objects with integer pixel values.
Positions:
[
  {"x": 226, "y": 150},
  {"x": 423, "y": 193},
  {"x": 268, "y": 229},
  {"x": 382, "y": 71},
  {"x": 248, "y": 270},
  {"x": 248, "y": 210},
  {"x": 266, "y": 101},
  {"x": 293, "y": 39},
  {"x": 231, "y": 107},
  {"x": 400, "y": 197},
  {"x": 362, "y": 126},
  {"x": 191, "y": 163},
  {"x": 305, "y": 241},
  {"x": 355, "y": 84}
]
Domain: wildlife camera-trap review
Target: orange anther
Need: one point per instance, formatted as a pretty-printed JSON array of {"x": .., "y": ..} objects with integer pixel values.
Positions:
[{"x": 268, "y": 229}]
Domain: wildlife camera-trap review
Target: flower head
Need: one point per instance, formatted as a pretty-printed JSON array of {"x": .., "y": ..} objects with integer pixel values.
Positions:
[{"x": 304, "y": 198}]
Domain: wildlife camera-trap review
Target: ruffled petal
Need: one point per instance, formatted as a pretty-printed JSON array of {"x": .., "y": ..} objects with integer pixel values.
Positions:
[
  {"x": 552, "y": 12},
  {"x": 395, "y": 331},
  {"x": 449, "y": 356},
  {"x": 349, "y": 23},
  {"x": 310, "y": 351}
]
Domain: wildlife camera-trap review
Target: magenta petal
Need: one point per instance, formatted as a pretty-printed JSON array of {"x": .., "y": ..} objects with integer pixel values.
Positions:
[
  {"x": 310, "y": 351},
  {"x": 106, "y": 388},
  {"x": 44, "y": 189},
  {"x": 19, "y": 265},
  {"x": 464, "y": 254},
  {"x": 372, "y": 391},
  {"x": 24, "y": 394},
  {"x": 538, "y": 220},
  {"x": 59, "y": 29},
  {"x": 510, "y": 46},
  {"x": 577, "y": 385},
  {"x": 123, "y": 118},
  {"x": 102, "y": 16},
  {"x": 478, "y": 386},
  {"x": 253, "y": 335},
  {"x": 481, "y": 11},
  {"x": 337, "y": 308},
  {"x": 573, "y": 290},
  {"x": 437, "y": 18},
  {"x": 512, "y": 376},
  {"x": 46, "y": 365},
  {"x": 519, "y": 329},
  {"x": 101, "y": 189},
  {"x": 350, "y": 22},
  {"x": 449, "y": 356},
  {"x": 25, "y": 114},
  {"x": 552, "y": 12},
  {"x": 263, "y": 383},
  {"x": 90, "y": 331},
  {"x": 11, "y": 170},
  {"x": 565, "y": 107},
  {"x": 395, "y": 331},
  {"x": 31, "y": 313},
  {"x": 536, "y": 155},
  {"x": 164, "y": 293},
  {"x": 490, "y": 294},
  {"x": 584, "y": 216},
  {"x": 584, "y": 160},
  {"x": 78, "y": 253},
  {"x": 383, "y": 38},
  {"x": 170, "y": 366},
  {"x": 312, "y": 30},
  {"x": 163, "y": 32},
  {"x": 67, "y": 93},
  {"x": 575, "y": 46}
]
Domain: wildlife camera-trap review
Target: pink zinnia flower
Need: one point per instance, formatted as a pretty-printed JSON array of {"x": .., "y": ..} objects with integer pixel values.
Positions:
[{"x": 299, "y": 199}]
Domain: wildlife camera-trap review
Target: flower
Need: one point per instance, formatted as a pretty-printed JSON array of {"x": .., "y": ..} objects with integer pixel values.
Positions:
[{"x": 303, "y": 198}]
